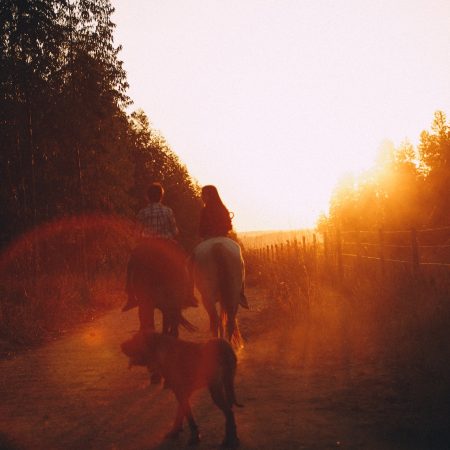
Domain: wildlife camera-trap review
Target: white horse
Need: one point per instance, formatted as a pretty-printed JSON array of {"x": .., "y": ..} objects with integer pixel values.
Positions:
[{"x": 219, "y": 274}]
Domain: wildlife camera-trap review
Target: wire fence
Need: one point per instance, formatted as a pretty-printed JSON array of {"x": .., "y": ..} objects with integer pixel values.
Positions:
[
  {"x": 416, "y": 249},
  {"x": 379, "y": 253}
]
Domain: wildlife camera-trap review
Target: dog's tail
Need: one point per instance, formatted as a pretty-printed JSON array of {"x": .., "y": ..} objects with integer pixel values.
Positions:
[{"x": 229, "y": 362}]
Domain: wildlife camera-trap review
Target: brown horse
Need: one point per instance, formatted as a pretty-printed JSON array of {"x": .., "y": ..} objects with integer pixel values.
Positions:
[
  {"x": 219, "y": 276},
  {"x": 157, "y": 279}
]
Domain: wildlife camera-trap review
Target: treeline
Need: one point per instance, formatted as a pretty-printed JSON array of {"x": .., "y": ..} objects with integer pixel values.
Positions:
[
  {"x": 67, "y": 145},
  {"x": 407, "y": 187}
]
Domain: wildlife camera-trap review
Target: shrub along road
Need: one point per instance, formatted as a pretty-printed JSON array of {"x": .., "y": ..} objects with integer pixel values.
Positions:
[{"x": 312, "y": 387}]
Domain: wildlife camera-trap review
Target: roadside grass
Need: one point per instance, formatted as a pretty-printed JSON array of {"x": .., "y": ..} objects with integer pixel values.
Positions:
[
  {"x": 62, "y": 275},
  {"x": 397, "y": 327}
]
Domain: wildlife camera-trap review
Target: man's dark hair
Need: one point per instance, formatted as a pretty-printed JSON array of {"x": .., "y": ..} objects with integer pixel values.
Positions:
[{"x": 155, "y": 192}]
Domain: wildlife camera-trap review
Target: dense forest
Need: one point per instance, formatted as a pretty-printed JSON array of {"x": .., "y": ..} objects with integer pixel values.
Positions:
[
  {"x": 68, "y": 146},
  {"x": 75, "y": 165},
  {"x": 408, "y": 187}
]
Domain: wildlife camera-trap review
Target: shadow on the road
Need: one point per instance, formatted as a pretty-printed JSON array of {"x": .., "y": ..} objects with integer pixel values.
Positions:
[{"x": 8, "y": 444}]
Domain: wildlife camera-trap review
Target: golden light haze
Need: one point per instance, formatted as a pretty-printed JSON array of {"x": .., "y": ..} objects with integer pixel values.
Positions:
[{"x": 273, "y": 101}]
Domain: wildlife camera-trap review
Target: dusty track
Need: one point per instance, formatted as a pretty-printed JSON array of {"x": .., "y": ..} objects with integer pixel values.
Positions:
[{"x": 300, "y": 390}]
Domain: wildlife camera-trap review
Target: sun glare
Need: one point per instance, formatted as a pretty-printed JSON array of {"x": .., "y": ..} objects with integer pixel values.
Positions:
[{"x": 273, "y": 102}]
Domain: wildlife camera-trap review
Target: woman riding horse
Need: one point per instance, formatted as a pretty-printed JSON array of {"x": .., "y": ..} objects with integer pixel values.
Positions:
[
  {"x": 218, "y": 267},
  {"x": 215, "y": 221}
]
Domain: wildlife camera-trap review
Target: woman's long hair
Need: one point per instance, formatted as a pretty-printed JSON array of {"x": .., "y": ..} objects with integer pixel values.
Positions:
[
  {"x": 215, "y": 219},
  {"x": 211, "y": 197}
]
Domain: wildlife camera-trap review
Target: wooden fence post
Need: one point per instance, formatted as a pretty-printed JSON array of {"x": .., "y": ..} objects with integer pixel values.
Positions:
[
  {"x": 315, "y": 253},
  {"x": 358, "y": 252},
  {"x": 381, "y": 251},
  {"x": 339, "y": 256},
  {"x": 296, "y": 252},
  {"x": 415, "y": 253}
]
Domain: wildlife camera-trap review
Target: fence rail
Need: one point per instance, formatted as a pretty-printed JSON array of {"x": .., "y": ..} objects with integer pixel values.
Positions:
[{"x": 417, "y": 250}]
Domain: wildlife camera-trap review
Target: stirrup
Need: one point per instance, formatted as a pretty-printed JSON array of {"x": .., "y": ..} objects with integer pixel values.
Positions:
[{"x": 243, "y": 301}]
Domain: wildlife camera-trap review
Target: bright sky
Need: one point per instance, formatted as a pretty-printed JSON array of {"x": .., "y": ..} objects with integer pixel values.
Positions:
[{"x": 274, "y": 100}]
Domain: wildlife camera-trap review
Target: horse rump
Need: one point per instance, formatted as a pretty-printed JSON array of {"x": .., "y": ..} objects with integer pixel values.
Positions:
[{"x": 157, "y": 278}]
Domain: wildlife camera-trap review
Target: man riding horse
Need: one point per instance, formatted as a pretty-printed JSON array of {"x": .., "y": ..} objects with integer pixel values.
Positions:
[{"x": 156, "y": 273}]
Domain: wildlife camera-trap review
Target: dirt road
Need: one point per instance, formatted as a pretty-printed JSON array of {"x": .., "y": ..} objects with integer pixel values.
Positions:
[{"x": 299, "y": 391}]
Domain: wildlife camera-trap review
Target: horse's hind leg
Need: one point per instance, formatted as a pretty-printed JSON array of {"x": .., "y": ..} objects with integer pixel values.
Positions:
[
  {"x": 146, "y": 313},
  {"x": 231, "y": 325},
  {"x": 214, "y": 321},
  {"x": 231, "y": 311}
]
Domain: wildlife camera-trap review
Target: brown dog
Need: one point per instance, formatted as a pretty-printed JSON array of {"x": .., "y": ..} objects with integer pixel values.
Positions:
[{"x": 186, "y": 367}]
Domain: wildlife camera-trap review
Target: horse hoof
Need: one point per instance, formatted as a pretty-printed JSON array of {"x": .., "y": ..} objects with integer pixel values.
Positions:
[{"x": 194, "y": 439}]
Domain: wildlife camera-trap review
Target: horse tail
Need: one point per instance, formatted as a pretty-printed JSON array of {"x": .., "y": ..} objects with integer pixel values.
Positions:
[
  {"x": 236, "y": 338},
  {"x": 226, "y": 295},
  {"x": 223, "y": 271},
  {"x": 229, "y": 362}
]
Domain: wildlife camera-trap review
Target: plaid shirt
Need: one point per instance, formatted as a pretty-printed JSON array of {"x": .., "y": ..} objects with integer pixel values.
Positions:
[{"x": 158, "y": 221}]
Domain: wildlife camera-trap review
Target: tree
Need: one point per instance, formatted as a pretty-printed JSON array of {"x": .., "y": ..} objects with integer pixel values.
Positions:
[
  {"x": 30, "y": 38},
  {"x": 155, "y": 161},
  {"x": 405, "y": 188},
  {"x": 434, "y": 152}
]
